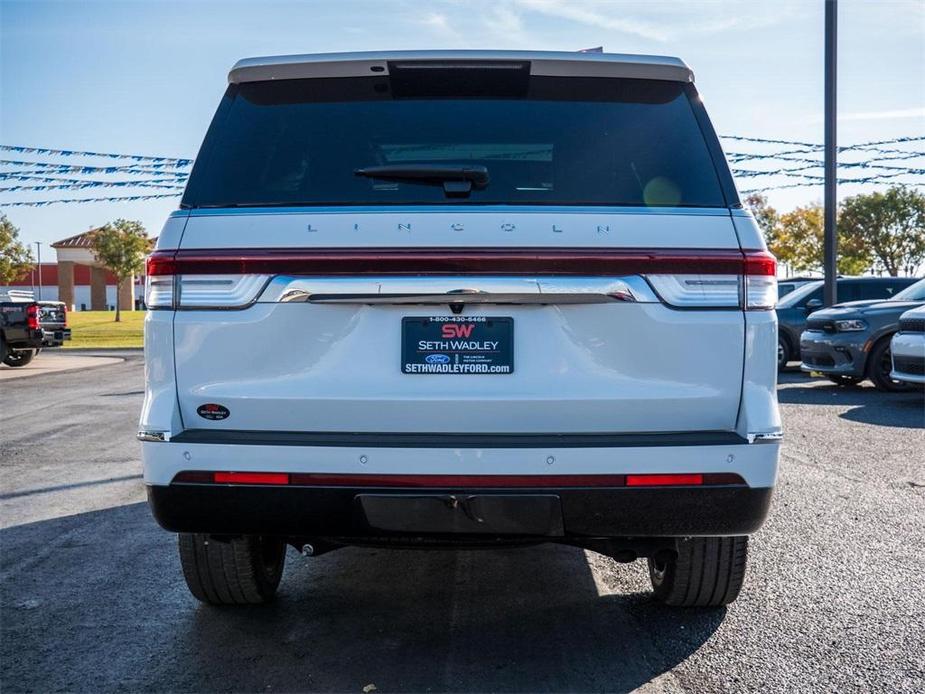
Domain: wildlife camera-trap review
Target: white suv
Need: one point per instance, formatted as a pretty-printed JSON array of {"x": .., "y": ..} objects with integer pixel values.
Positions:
[
  {"x": 461, "y": 298},
  {"x": 908, "y": 347}
]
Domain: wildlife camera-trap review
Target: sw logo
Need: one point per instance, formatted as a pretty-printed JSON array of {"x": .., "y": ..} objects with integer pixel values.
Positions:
[
  {"x": 451, "y": 330},
  {"x": 437, "y": 359}
]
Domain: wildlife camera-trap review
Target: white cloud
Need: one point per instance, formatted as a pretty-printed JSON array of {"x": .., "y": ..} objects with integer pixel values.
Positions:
[
  {"x": 891, "y": 114},
  {"x": 663, "y": 21},
  {"x": 601, "y": 15},
  {"x": 885, "y": 115},
  {"x": 440, "y": 24}
]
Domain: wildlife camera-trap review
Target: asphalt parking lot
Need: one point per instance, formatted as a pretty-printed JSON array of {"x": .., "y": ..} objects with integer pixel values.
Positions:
[{"x": 92, "y": 599}]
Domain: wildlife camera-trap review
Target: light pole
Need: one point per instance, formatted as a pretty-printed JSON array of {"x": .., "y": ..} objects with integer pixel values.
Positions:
[
  {"x": 830, "y": 240},
  {"x": 38, "y": 246}
]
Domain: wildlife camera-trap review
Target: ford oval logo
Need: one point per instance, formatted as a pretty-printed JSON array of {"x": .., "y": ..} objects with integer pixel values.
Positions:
[{"x": 437, "y": 359}]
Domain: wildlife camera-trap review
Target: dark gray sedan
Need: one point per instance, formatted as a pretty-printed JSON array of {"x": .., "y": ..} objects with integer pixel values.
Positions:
[{"x": 850, "y": 342}]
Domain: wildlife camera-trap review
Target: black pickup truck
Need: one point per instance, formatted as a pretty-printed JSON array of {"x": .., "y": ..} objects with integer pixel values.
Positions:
[{"x": 26, "y": 326}]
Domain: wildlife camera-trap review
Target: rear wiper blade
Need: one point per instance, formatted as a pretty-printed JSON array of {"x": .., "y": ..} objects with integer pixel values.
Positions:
[{"x": 457, "y": 179}]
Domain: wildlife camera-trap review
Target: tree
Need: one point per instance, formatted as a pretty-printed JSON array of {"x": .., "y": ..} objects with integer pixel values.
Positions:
[
  {"x": 765, "y": 215},
  {"x": 796, "y": 238},
  {"x": 890, "y": 225},
  {"x": 15, "y": 259},
  {"x": 801, "y": 237},
  {"x": 121, "y": 247}
]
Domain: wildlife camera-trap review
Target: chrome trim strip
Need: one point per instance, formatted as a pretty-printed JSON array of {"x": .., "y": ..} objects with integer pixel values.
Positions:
[
  {"x": 470, "y": 290},
  {"x": 453, "y": 440},
  {"x": 765, "y": 437},
  {"x": 153, "y": 436},
  {"x": 477, "y": 298}
]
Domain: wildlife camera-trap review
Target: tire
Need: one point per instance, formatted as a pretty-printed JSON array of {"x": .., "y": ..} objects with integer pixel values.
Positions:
[
  {"x": 244, "y": 571},
  {"x": 783, "y": 352},
  {"x": 879, "y": 365},
  {"x": 707, "y": 572},
  {"x": 844, "y": 380},
  {"x": 19, "y": 357}
]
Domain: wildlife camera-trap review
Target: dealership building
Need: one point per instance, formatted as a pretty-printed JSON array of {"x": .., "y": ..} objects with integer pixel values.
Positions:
[{"x": 79, "y": 280}]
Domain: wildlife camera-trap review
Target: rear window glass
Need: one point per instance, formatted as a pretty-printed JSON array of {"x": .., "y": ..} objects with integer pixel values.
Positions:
[{"x": 549, "y": 140}]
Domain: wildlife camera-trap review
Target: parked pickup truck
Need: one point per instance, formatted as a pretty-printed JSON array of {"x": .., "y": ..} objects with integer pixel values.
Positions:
[
  {"x": 26, "y": 326},
  {"x": 20, "y": 332},
  {"x": 53, "y": 320}
]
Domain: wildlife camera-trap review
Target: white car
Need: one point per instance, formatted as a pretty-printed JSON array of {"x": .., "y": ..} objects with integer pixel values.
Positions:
[
  {"x": 461, "y": 298},
  {"x": 907, "y": 347}
]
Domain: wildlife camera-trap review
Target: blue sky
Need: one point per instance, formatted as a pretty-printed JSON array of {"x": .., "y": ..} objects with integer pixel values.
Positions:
[{"x": 145, "y": 77}]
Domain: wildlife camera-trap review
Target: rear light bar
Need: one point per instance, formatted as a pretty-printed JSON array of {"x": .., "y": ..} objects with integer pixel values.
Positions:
[
  {"x": 303, "y": 479},
  {"x": 233, "y": 278}
]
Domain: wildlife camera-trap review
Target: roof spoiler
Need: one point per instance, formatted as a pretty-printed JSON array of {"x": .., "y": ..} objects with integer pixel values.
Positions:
[{"x": 543, "y": 63}]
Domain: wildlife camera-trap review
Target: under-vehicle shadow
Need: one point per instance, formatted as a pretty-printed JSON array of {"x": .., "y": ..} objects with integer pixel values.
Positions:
[
  {"x": 96, "y": 602},
  {"x": 907, "y": 412},
  {"x": 869, "y": 405}
]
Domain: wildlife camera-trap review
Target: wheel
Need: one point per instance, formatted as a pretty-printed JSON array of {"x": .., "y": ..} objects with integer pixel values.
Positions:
[
  {"x": 19, "y": 357},
  {"x": 708, "y": 572},
  {"x": 244, "y": 571},
  {"x": 844, "y": 380},
  {"x": 879, "y": 365},
  {"x": 783, "y": 352}
]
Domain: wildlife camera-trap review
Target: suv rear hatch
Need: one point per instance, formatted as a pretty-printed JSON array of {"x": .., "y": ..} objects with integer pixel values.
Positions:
[{"x": 596, "y": 274}]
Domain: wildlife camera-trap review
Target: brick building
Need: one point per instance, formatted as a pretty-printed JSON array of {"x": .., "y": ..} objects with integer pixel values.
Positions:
[{"x": 79, "y": 280}]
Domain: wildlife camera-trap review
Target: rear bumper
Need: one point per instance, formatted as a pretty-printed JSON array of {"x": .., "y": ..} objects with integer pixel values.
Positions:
[
  {"x": 55, "y": 337},
  {"x": 908, "y": 350},
  {"x": 839, "y": 354},
  {"x": 350, "y": 512}
]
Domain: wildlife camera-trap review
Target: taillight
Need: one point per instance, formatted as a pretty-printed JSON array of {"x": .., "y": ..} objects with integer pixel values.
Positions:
[
  {"x": 159, "y": 291},
  {"x": 234, "y": 278},
  {"x": 760, "y": 281},
  {"x": 218, "y": 291},
  {"x": 165, "y": 289},
  {"x": 754, "y": 289},
  {"x": 32, "y": 317},
  {"x": 698, "y": 291},
  {"x": 159, "y": 280},
  {"x": 65, "y": 315}
]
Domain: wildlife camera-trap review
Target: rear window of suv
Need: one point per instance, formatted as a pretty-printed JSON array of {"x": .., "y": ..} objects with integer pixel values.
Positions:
[{"x": 547, "y": 140}]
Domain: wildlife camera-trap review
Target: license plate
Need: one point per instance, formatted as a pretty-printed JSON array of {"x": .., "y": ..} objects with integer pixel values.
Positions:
[{"x": 457, "y": 345}]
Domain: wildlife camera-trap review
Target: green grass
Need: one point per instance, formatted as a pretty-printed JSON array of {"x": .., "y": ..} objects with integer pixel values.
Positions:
[{"x": 96, "y": 329}]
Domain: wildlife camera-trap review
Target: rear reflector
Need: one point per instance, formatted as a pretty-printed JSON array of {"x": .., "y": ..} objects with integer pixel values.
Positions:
[
  {"x": 662, "y": 480},
  {"x": 305, "y": 479},
  {"x": 251, "y": 478}
]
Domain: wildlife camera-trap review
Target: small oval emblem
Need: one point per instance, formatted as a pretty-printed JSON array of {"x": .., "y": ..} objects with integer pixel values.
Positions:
[
  {"x": 212, "y": 411},
  {"x": 437, "y": 359}
]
